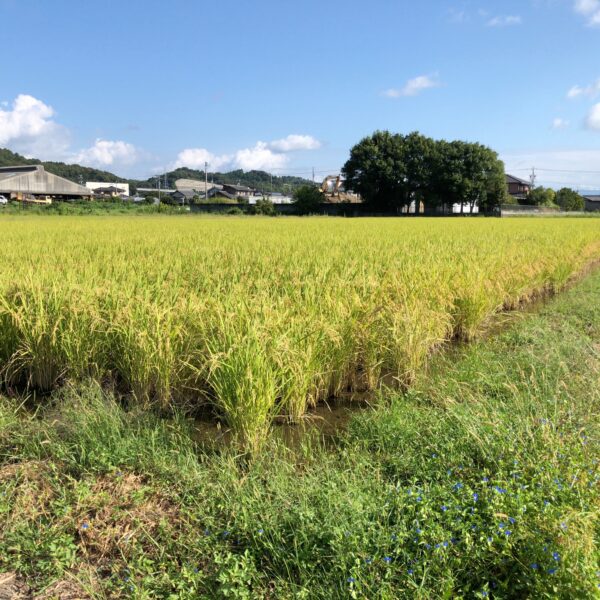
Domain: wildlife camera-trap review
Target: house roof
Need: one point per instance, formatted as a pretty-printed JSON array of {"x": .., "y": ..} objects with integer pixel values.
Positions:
[
  {"x": 513, "y": 179},
  {"x": 195, "y": 184},
  {"x": 592, "y": 198},
  {"x": 34, "y": 179},
  {"x": 238, "y": 188}
]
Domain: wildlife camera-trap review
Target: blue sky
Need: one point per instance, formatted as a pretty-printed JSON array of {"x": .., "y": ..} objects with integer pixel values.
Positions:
[{"x": 136, "y": 86}]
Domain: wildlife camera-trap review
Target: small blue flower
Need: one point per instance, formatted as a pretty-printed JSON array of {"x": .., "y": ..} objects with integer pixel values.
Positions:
[
  {"x": 458, "y": 486},
  {"x": 490, "y": 539},
  {"x": 445, "y": 544},
  {"x": 552, "y": 571},
  {"x": 556, "y": 556},
  {"x": 501, "y": 526},
  {"x": 499, "y": 489},
  {"x": 419, "y": 498},
  {"x": 485, "y": 480},
  {"x": 419, "y": 532},
  {"x": 85, "y": 525},
  {"x": 434, "y": 455},
  {"x": 535, "y": 566},
  {"x": 507, "y": 532},
  {"x": 368, "y": 560},
  {"x": 444, "y": 508},
  {"x": 410, "y": 571},
  {"x": 350, "y": 580},
  {"x": 261, "y": 531},
  {"x": 387, "y": 559},
  {"x": 512, "y": 520},
  {"x": 546, "y": 502},
  {"x": 475, "y": 496}
]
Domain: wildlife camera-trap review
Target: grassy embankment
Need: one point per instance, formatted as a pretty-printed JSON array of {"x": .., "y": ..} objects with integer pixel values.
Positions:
[{"x": 483, "y": 481}]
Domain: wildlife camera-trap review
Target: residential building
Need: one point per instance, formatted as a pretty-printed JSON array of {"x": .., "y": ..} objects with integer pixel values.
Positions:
[
  {"x": 238, "y": 190},
  {"x": 119, "y": 188},
  {"x": 518, "y": 188},
  {"x": 592, "y": 202}
]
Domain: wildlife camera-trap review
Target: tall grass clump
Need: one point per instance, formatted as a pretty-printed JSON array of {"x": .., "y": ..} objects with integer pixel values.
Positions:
[{"x": 264, "y": 318}]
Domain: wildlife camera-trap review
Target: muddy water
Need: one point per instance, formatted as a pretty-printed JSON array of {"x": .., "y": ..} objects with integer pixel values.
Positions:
[{"x": 324, "y": 422}]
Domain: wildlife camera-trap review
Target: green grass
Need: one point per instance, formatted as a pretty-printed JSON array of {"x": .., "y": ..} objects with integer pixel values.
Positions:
[{"x": 481, "y": 481}]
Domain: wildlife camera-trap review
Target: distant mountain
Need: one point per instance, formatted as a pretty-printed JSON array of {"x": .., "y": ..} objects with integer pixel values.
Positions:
[{"x": 259, "y": 180}]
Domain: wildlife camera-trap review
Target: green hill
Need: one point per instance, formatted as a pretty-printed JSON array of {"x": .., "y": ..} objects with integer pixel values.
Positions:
[{"x": 259, "y": 180}]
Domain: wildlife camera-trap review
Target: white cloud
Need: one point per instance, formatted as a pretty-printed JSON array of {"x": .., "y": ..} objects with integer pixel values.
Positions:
[
  {"x": 505, "y": 21},
  {"x": 593, "y": 118},
  {"x": 559, "y": 123},
  {"x": 295, "y": 142},
  {"x": 590, "y": 9},
  {"x": 105, "y": 153},
  {"x": 413, "y": 87},
  {"x": 572, "y": 168},
  {"x": 195, "y": 158},
  {"x": 262, "y": 156},
  {"x": 591, "y": 90},
  {"x": 29, "y": 128}
]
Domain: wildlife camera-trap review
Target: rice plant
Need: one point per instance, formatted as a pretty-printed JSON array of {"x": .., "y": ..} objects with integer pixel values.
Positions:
[{"x": 263, "y": 317}]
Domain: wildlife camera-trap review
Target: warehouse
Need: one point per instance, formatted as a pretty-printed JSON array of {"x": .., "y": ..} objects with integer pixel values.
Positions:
[{"x": 32, "y": 181}]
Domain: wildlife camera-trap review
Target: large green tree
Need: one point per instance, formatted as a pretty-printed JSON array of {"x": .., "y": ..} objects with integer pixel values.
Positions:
[
  {"x": 377, "y": 171},
  {"x": 540, "y": 196},
  {"x": 391, "y": 170},
  {"x": 569, "y": 199}
]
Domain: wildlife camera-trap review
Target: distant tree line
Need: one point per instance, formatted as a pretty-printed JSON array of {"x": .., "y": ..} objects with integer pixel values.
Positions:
[
  {"x": 566, "y": 199},
  {"x": 391, "y": 171}
]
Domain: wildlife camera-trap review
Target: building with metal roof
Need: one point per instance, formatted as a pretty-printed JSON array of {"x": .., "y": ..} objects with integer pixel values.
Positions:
[
  {"x": 592, "y": 202},
  {"x": 29, "y": 181}
]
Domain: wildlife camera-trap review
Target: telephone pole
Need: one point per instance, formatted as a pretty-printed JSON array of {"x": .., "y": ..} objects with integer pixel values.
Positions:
[
  {"x": 532, "y": 177},
  {"x": 205, "y": 180}
]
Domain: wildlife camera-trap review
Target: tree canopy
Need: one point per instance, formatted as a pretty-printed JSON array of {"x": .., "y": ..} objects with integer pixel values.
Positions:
[
  {"x": 569, "y": 199},
  {"x": 391, "y": 170}
]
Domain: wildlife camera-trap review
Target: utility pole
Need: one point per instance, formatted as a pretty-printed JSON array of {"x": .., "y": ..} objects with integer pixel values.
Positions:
[
  {"x": 158, "y": 189},
  {"x": 205, "y": 180},
  {"x": 532, "y": 177},
  {"x": 313, "y": 174}
]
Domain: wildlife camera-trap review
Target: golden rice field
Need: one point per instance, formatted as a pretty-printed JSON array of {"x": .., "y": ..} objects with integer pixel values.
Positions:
[{"x": 260, "y": 317}]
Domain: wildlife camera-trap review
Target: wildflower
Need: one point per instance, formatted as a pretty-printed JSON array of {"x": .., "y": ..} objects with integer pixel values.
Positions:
[
  {"x": 419, "y": 498},
  {"x": 501, "y": 526},
  {"x": 556, "y": 556},
  {"x": 490, "y": 539},
  {"x": 418, "y": 532},
  {"x": 410, "y": 571},
  {"x": 546, "y": 502},
  {"x": 350, "y": 580},
  {"x": 434, "y": 455},
  {"x": 387, "y": 559},
  {"x": 85, "y": 525},
  {"x": 458, "y": 486},
  {"x": 552, "y": 571},
  {"x": 535, "y": 566},
  {"x": 444, "y": 508},
  {"x": 507, "y": 532},
  {"x": 368, "y": 561},
  {"x": 485, "y": 480},
  {"x": 445, "y": 544},
  {"x": 563, "y": 526},
  {"x": 261, "y": 531},
  {"x": 207, "y": 532},
  {"x": 499, "y": 489},
  {"x": 512, "y": 520},
  {"x": 475, "y": 496}
]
